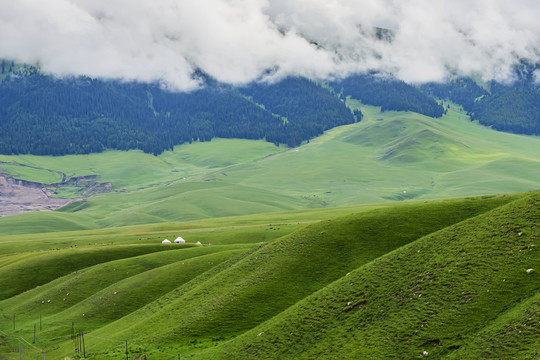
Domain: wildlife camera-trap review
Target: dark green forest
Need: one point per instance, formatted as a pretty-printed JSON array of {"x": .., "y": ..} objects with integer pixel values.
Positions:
[
  {"x": 306, "y": 109},
  {"x": 43, "y": 115},
  {"x": 463, "y": 91},
  {"x": 46, "y": 116},
  {"x": 389, "y": 94},
  {"x": 511, "y": 107}
]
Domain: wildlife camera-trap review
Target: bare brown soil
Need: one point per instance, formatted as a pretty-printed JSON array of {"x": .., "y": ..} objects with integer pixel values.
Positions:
[{"x": 19, "y": 196}]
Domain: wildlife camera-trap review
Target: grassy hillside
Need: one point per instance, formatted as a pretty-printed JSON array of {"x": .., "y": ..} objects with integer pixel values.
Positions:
[
  {"x": 512, "y": 335},
  {"x": 131, "y": 170},
  {"x": 214, "y": 301},
  {"x": 465, "y": 292},
  {"x": 386, "y": 157},
  {"x": 20, "y": 272},
  {"x": 401, "y": 156}
]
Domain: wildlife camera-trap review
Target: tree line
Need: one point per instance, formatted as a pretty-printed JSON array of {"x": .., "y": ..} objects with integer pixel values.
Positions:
[
  {"x": 512, "y": 107},
  {"x": 46, "y": 116},
  {"x": 43, "y": 115},
  {"x": 388, "y": 93}
]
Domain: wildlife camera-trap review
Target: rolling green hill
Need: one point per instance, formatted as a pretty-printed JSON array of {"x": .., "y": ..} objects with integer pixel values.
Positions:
[
  {"x": 442, "y": 276},
  {"x": 452, "y": 290},
  {"x": 388, "y": 156}
]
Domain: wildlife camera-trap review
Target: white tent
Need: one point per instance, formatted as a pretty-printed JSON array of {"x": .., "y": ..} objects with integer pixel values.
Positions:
[
  {"x": 179, "y": 240},
  {"x": 198, "y": 243},
  {"x": 166, "y": 241}
]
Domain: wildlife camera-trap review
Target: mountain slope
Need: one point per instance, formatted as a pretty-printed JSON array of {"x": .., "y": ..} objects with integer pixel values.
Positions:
[
  {"x": 394, "y": 156},
  {"x": 386, "y": 156},
  {"x": 388, "y": 93},
  {"x": 42, "y": 115},
  {"x": 448, "y": 290},
  {"x": 511, "y": 107}
]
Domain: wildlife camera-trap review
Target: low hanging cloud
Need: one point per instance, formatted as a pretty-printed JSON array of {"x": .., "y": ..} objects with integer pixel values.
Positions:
[{"x": 238, "y": 41}]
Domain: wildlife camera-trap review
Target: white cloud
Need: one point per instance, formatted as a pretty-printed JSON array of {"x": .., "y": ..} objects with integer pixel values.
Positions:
[{"x": 237, "y": 41}]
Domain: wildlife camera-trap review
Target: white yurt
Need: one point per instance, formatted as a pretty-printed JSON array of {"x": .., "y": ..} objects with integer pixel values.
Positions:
[
  {"x": 198, "y": 243},
  {"x": 166, "y": 241},
  {"x": 179, "y": 240}
]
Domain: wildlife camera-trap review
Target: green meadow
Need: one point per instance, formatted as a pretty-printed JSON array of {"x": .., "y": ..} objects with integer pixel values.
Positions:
[
  {"x": 390, "y": 156},
  {"x": 456, "y": 278}
]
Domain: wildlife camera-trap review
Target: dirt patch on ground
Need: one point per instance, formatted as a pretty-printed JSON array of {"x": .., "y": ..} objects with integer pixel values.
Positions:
[{"x": 19, "y": 196}]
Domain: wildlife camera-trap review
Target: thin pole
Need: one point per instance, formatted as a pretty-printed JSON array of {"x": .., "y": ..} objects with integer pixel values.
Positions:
[
  {"x": 83, "y": 346},
  {"x": 127, "y": 353}
]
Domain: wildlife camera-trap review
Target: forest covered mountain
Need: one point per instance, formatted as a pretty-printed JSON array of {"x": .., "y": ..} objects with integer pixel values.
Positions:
[
  {"x": 46, "y": 116},
  {"x": 505, "y": 107},
  {"x": 43, "y": 115},
  {"x": 390, "y": 94}
]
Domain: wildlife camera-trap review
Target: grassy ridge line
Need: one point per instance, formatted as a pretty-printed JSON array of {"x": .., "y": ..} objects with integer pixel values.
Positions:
[
  {"x": 62, "y": 348},
  {"x": 430, "y": 295},
  {"x": 223, "y": 230},
  {"x": 94, "y": 278},
  {"x": 28, "y": 271},
  {"x": 56, "y": 332},
  {"x": 127, "y": 295},
  {"x": 19, "y": 171},
  {"x": 277, "y": 275}
]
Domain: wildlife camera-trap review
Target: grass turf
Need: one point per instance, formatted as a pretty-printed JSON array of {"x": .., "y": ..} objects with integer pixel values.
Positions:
[
  {"x": 251, "y": 285},
  {"x": 463, "y": 292}
]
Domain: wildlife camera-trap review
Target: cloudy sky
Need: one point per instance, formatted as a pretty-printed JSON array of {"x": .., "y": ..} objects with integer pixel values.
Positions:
[{"x": 238, "y": 41}]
